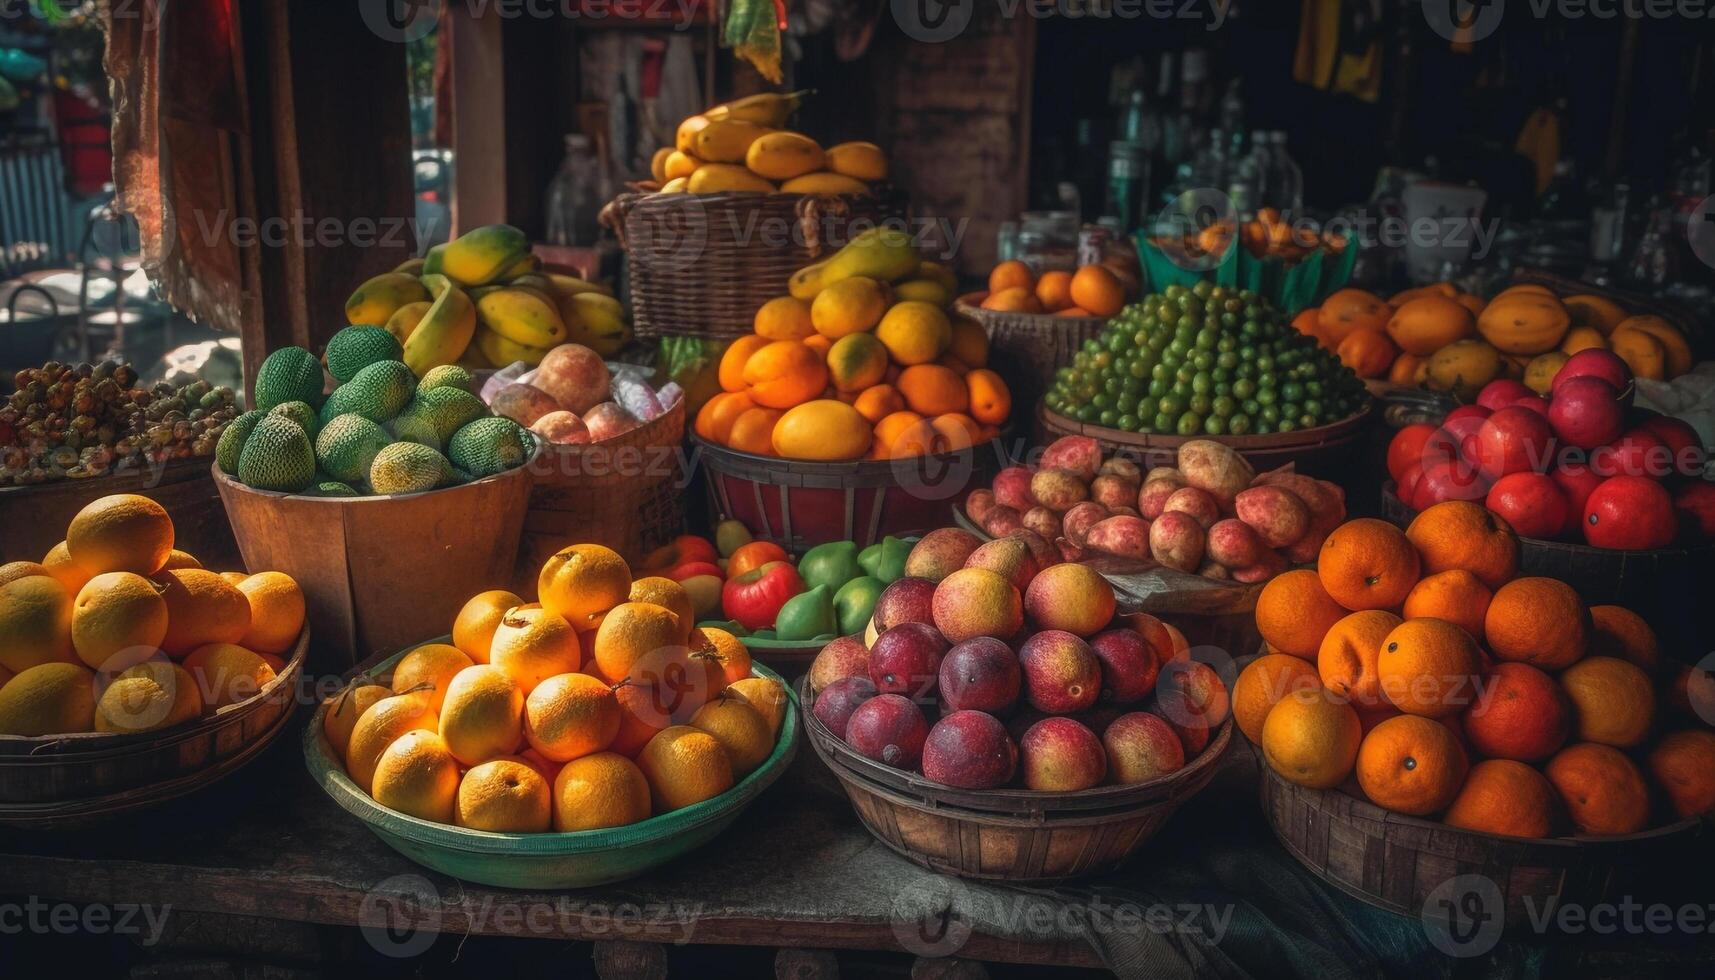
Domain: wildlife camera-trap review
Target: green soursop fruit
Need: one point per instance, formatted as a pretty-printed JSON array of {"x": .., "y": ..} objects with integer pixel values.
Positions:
[
  {"x": 447, "y": 376},
  {"x": 331, "y": 488},
  {"x": 377, "y": 392},
  {"x": 434, "y": 415},
  {"x": 301, "y": 413},
  {"x": 355, "y": 348},
  {"x": 347, "y": 446},
  {"x": 406, "y": 467},
  {"x": 277, "y": 456},
  {"x": 232, "y": 441},
  {"x": 290, "y": 374},
  {"x": 489, "y": 445}
]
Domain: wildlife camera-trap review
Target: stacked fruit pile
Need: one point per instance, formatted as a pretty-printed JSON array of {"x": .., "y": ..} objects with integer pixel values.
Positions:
[
  {"x": 1212, "y": 514},
  {"x": 482, "y": 300},
  {"x": 68, "y": 422},
  {"x": 598, "y": 706},
  {"x": 571, "y": 398},
  {"x": 1204, "y": 360},
  {"x": 739, "y": 146},
  {"x": 973, "y": 629},
  {"x": 1090, "y": 290},
  {"x": 1582, "y": 464},
  {"x": 1419, "y": 664},
  {"x": 117, "y": 631},
  {"x": 860, "y": 361},
  {"x": 1264, "y": 236},
  {"x": 381, "y": 431}
]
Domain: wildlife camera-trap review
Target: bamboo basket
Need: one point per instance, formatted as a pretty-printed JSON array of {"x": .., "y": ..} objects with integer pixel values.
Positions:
[
  {"x": 1398, "y": 863},
  {"x": 34, "y": 518},
  {"x": 66, "y": 782},
  {"x": 374, "y": 569},
  {"x": 701, "y": 265},
  {"x": 1027, "y": 348},
  {"x": 626, "y": 493},
  {"x": 1326, "y": 450},
  {"x": 1012, "y": 835}
]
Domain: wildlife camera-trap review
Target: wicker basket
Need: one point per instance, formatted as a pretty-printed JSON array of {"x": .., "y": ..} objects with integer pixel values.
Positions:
[
  {"x": 799, "y": 504},
  {"x": 65, "y": 782},
  {"x": 626, "y": 493},
  {"x": 1006, "y": 834},
  {"x": 34, "y": 518},
  {"x": 1325, "y": 451},
  {"x": 1027, "y": 348},
  {"x": 1413, "y": 866},
  {"x": 701, "y": 265}
]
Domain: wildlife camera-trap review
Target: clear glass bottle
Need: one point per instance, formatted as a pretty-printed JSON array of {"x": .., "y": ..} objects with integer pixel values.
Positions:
[
  {"x": 1288, "y": 181},
  {"x": 574, "y": 196}
]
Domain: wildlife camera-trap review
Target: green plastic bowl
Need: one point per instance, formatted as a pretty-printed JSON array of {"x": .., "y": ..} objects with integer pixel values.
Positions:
[{"x": 549, "y": 860}]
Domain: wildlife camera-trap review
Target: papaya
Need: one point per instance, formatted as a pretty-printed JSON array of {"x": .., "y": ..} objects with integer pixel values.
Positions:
[
  {"x": 1464, "y": 367},
  {"x": 484, "y": 255},
  {"x": 1524, "y": 320},
  {"x": 825, "y": 182},
  {"x": 715, "y": 178},
  {"x": 766, "y": 108},
  {"x": 1677, "y": 351},
  {"x": 444, "y": 331},
  {"x": 529, "y": 264},
  {"x": 727, "y": 140},
  {"x": 783, "y": 156},
  {"x": 564, "y": 285},
  {"x": 865, "y": 161},
  {"x": 432, "y": 260},
  {"x": 411, "y": 267},
  {"x": 883, "y": 254},
  {"x": 378, "y": 297},
  {"x": 500, "y": 352},
  {"x": 521, "y": 315}
]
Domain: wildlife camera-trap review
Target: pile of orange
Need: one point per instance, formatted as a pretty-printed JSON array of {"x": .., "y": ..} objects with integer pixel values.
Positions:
[
  {"x": 865, "y": 369},
  {"x": 1267, "y": 235},
  {"x": 1417, "y": 670},
  {"x": 115, "y": 630},
  {"x": 598, "y": 706},
  {"x": 1089, "y": 290}
]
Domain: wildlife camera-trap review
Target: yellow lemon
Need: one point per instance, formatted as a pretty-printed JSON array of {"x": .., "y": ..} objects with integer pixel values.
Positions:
[{"x": 915, "y": 332}]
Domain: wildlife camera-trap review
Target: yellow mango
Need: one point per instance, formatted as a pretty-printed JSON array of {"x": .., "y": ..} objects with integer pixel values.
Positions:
[
  {"x": 825, "y": 182},
  {"x": 1641, "y": 351},
  {"x": 486, "y": 254},
  {"x": 445, "y": 329},
  {"x": 522, "y": 315},
  {"x": 883, "y": 254},
  {"x": 1583, "y": 338},
  {"x": 783, "y": 156},
  {"x": 715, "y": 178},
  {"x": 1464, "y": 367},
  {"x": 680, "y": 164},
  {"x": 379, "y": 296},
  {"x": 678, "y": 185},
  {"x": 823, "y": 429},
  {"x": 597, "y": 321},
  {"x": 658, "y": 164},
  {"x": 865, "y": 161},
  {"x": 685, "y": 138},
  {"x": 500, "y": 352},
  {"x": 767, "y": 108},
  {"x": 727, "y": 140},
  {"x": 405, "y": 319},
  {"x": 926, "y": 290}
]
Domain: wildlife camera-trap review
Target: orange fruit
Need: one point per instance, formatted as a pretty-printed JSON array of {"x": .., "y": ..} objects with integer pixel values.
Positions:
[
  {"x": 734, "y": 358},
  {"x": 147, "y": 697},
  {"x": 1350, "y": 309},
  {"x": 202, "y": 608},
  {"x": 931, "y": 389},
  {"x": 1683, "y": 765},
  {"x": 970, "y": 342},
  {"x": 376, "y": 728},
  {"x": 955, "y": 431},
  {"x": 669, "y": 595},
  {"x": 643, "y": 712},
  {"x": 903, "y": 434},
  {"x": 1424, "y": 325},
  {"x": 429, "y": 670},
  {"x": 123, "y": 532},
  {"x": 1054, "y": 290},
  {"x": 276, "y": 612},
  {"x": 684, "y": 765},
  {"x": 35, "y": 622},
  {"x": 15, "y": 570},
  {"x": 417, "y": 776},
  {"x": 179, "y": 559},
  {"x": 1412, "y": 765},
  {"x": 1311, "y": 738},
  {"x": 1604, "y": 792},
  {"x": 753, "y": 431},
  {"x": 583, "y": 581},
  {"x": 785, "y": 373},
  {"x": 483, "y": 714},
  {"x": 1018, "y": 299},
  {"x": 570, "y": 715},
  {"x": 1539, "y": 621},
  {"x": 228, "y": 674},
  {"x": 1461, "y": 534},
  {"x": 856, "y": 361},
  {"x": 1613, "y": 701},
  {"x": 1263, "y": 683},
  {"x": 1347, "y": 657},
  {"x": 599, "y": 791},
  {"x": 532, "y": 644},
  {"x": 1368, "y": 353},
  {"x": 1294, "y": 613},
  {"x": 59, "y": 564},
  {"x": 473, "y": 629},
  {"x": 784, "y": 318},
  {"x": 1371, "y": 715},
  {"x": 741, "y": 730},
  {"x": 914, "y": 332},
  {"x": 117, "y": 614},
  {"x": 1504, "y": 797},
  {"x": 715, "y": 419},
  {"x": 878, "y": 402},
  {"x": 631, "y": 630},
  {"x": 504, "y": 796},
  {"x": 1367, "y": 564},
  {"x": 725, "y": 649},
  {"x": 990, "y": 399},
  {"x": 1454, "y": 595},
  {"x": 1429, "y": 667},
  {"x": 1520, "y": 713},
  {"x": 48, "y": 699},
  {"x": 681, "y": 679},
  {"x": 766, "y": 695},
  {"x": 1097, "y": 290},
  {"x": 1618, "y": 632},
  {"x": 1011, "y": 274},
  {"x": 343, "y": 710}
]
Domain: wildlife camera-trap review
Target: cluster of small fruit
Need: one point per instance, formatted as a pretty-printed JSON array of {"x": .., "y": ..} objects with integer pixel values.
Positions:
[
  {"x": 739, "y": 146},
  {"x": 598, "y": 706},
  {"x": 1212, "y": 514},
  {"x": 1264, "y": 236},
  {"x": 1581, "y": 464},
  {"x": 1089, "y": 290},
  {"x": 1419, "y": 663},
  {"x": 71, "y": 421},
  {"x": 973, "y": 630},
  {"x": 115, "y": 630}
]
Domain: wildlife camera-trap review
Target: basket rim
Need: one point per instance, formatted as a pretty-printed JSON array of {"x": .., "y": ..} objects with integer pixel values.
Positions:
[
  {"x": 89, "y": 741},
  {"x": 224, "y": 479},
  {"x": 544, "y": 448},
  {"x": 1390, "y": 492},
  {"x": 869, "y": 772},
  {"x": 31, "y": 489},
  {"x": 969, "y": 304},
  {"x": 330, "y": 775},
  {"x": 1273, "y": 441}
]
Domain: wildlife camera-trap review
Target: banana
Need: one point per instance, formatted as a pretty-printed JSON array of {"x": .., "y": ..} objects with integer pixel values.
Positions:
[
  {"x": 501, "y": 351},
  {"x": 412, "y": 267},
  {"x": 523, "y": 316},
  {"x": 596, "y": 321},
  {"x": 767, "y": 108},
  {"x": 375, "y": 300},
  {"x": 483, "y": 255},
  {"x": 445, "y": 329},
  {"x": 405, "y": 319},
  {"x": 727, "y": 141}
]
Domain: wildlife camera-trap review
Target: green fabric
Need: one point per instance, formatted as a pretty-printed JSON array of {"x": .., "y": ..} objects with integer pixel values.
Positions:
[{"x": 754, "y": 35}]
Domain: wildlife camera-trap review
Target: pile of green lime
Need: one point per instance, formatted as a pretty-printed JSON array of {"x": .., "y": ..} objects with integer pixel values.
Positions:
[{"x": 1204, "y": 360}]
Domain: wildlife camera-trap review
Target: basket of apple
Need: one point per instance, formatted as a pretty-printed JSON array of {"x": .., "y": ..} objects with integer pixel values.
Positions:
[{"x": 997, "y": 700}]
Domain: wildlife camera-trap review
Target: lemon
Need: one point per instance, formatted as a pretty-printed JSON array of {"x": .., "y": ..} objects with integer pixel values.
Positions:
[{"x": 915, "y": 332}]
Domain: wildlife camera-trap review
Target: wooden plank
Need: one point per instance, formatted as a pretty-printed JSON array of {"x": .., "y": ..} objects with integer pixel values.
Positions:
[{"x": 479, "y": 115}]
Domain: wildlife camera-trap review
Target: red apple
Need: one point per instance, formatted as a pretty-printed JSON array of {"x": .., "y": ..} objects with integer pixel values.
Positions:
[
  {"x": 1477, "y": 412},
  {"x": 679, "y": 573},
  {"x": 1637, "y": 453},
  {"x": 1577, "y": 482},
  {"x": 1408, "y": 446},
  {"x": 1514, "y": 440},
  {"x": 1461, "y": 433},
  {"x": 907, "y": 660},
  {"x": 1689, "y": 456},
  {"x": 1595, "y": 363},
  {"x": 1531, "y": 502},
  {"x": 1630, "y": 513},
  {"x": 1587, "y": 412},
  {"x": 1695, "y": 503},
  {"x": 1535, "y": 403},
  {"x": 1451, "y": 480},
  {"x": 1500, "y": 393}
]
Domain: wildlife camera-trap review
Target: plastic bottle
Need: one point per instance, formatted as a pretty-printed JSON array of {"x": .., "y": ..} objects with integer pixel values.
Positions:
[
  {"x": 1288, "y": 180},
  {"x": 574, "y": 196}
]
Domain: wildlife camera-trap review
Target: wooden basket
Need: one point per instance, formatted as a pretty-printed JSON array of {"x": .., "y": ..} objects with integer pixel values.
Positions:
[
  {"x": 34, "y": 518},
  {"x": 65, "y": 782},
  {"x": 1633, "y": 303},
  {"x": 1325, "y": 451},
  {"x": 375, "y": 569},
  {"x": 1396, "y": 862},
  {"x": 1027, "y": 348},
  {"x": 1006, "y": 834},
  {"x": 799, "y": 504},
  {"x": 701, "y": 265},
  {"x": 626, "y": 493}
]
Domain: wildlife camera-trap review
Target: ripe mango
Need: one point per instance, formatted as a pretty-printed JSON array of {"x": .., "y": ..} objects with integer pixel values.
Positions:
[
  {"x": 865, "y": 161},
  {"x": 767, "y": 108},
  {"x": 783, "y": 156},
  {"x": 445, "y": 329},
  {"x": 484, "y": 255},
  {"x": 714, "y": 178},
  {"x": 727, "y": 140},
  {"x": 378, "y": 297},
  {"x": 521, "y": 315},
  {"x": 883, "y": 254},
  {"x": 500, "y": 352},
  {"x": 405, "y": 319},
  {"x": 825, "y": 182},
  {"x": 597, "y": 321}
]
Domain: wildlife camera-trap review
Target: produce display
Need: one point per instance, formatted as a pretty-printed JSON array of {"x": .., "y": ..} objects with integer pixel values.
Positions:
[
  {"x": 572, "y": 397},
  {"x": 1417, "y": 670},
  {"x": 741, "y": 146},
  {"x": 1204, "y": 360},
  {"x": 1441, "y": 338},
  {"x": 599, "y": 706},
  {"x": 117, "y": 631},
  {"x": 483, "y": 300},
  {"x": 1264, "y": 236},
  {"x": 74, "y": 421},
  {"x": 1089, "y": 290},
  {"x": 1212, "y": 514},
  {"x": 1577, "y": 463},
  {"x": 1033, "y": 677},
  {"x": 860, "y": 361}
]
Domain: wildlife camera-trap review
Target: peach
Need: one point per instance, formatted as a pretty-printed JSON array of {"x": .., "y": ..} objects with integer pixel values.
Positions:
[
  {"x": 523, "y": 403},
  {"x": 1043, "y": 521},
  {"x": 1075, "y": 524},
  {"x": 1113, "y": 491},
  {"x": 1061, "y": 755},
  {"x": 940, "y": 553},
  {"x": 1002, "y": 520},
  {"x": 1121, "y": 467},
  {"x": 970, "y": 750},
  {"x": 1199, "y": 503},
  {"x": 575, "y": 376},
  {"x": 1127, "y": 537},
  {"x": 1152, "y": 497},
  {"x": 978, "y": 504},
  {"x": 1177, "y": 540},
  {"x": 844, "y": 656},
  {"x": 1011, "y": 558},
  {"x": 1129, "y": 665},
  {"x": 905, "y": 600},
  {"x": 1070, "y": 597},
  {"x": 835, "y": 705},
  {"x": 1141, "y": 747},
  {"x": 889, "y": 729},
  {"x": 1191, "y": 697},
  {"x": 561, "y": 428},
  {"x": 1276, "y": 514},
  {"x": 907, "y": 660},
  {"x": 1012, "y": 488},
  {"x": 1232, "y": 543},
  {"x": 981, "y": 674},
  {"x": 607, "y": 420},
  {"x": 1215, "y": 467},
  {"x": 1080, "y": 454},
  {"x": 1058, "y": 490},
  {"x": 974, "y": 602},
  {"x": 1061, "y": 672},
  {"x": 1268, "y": 566}
]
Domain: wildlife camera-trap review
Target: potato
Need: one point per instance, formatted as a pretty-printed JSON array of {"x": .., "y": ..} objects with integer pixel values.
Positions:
[
  {"x": 1177, "y": 541},
  {"x": 1274, "y": 513},
  {"x": 1075, "y": 523},
  {"x": 1127, "y": 537},
  {"x": 1211, "y": 466},
  {"x": 1058, "y": 490}
]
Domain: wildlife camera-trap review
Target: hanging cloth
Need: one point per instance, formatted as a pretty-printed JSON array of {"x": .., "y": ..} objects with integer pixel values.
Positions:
[
  {"x": 753, "y": 32},
  {"x": 1339, "y": 47},
  {"x": 1539, "y": 142}
]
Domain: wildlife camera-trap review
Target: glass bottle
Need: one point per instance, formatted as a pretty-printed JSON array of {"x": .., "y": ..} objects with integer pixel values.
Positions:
[{"x": 574, "y": 196}]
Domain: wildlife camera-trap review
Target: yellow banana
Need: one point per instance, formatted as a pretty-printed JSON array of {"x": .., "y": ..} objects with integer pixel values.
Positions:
[
  {"x": 445, "y": 330},
  {"x": 405, "y": 319},
  {"x": 500, "y": 351},
  {"x": 484, "y": 255},
  {"x": 767, "y": 108},
  {"x": 727, "y": 141},
  {"x": 521, "y": 315},
  {"x": 598, "y": 322},
  {"x": 375, "y": 300}
]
